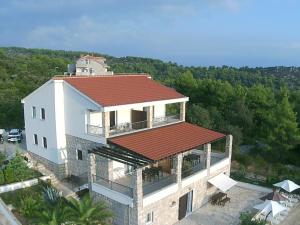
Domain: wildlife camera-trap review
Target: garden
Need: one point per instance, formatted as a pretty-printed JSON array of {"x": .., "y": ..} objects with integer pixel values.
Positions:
[
  {"x": 15, "y": 170},
  {"x": 42, "y": 204}
]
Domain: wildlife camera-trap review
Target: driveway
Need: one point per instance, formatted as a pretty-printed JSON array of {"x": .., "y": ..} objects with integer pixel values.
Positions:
[{"x": 11, "y": 148}]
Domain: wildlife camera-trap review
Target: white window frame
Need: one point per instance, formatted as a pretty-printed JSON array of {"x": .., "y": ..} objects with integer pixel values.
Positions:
[
  {"x": 33, "y": 112},
  {"x": 43, "y": 141},
  {"x": 149, "y": 216},
  {"x": 37, "y": 139}
]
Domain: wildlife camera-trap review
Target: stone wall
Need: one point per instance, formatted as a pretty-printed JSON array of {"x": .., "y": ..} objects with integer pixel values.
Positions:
[
  {"x": 202, "y": 191},
  {"x": 79, "y": 167},
  {"x": 59, "y": 170},
  {"x": 121, "y": 213}
]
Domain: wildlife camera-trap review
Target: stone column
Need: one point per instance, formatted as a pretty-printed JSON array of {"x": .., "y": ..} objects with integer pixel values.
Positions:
[
  {"x": 228, "y": 146},
  {"x": 149, "y": 110},
  {"x": 105, "y": 124},
  {"x": 178, "y": 168},
  {"x": 207, "y": 149},
  {"x": 92, "y": 167},
  {"x": 182, "y": 110},
  {"x": 228, "y": 150},
  {"x": 137, "y": 185}
]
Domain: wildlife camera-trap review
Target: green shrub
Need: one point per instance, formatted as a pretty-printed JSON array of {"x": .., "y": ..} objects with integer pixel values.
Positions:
[
  {"x": 9, "y": 174},
  {"x": 246, "y": 219},
  {"x": 29, "y": 206},
  {"x": 2, "y": 178}
]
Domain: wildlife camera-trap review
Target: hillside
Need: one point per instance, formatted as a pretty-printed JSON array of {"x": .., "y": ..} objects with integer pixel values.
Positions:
[{"x": 259, "y": 106}]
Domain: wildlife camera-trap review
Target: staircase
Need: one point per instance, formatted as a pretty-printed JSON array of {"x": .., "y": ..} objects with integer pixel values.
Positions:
[{"x": 62, "y": 186}]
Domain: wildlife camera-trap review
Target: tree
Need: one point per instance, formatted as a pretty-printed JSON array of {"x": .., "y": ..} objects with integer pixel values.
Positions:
[
  {"x": 85, "y": 212},
  {"x": 285, "y": 133},
  {"x": 199, "y": 115}
]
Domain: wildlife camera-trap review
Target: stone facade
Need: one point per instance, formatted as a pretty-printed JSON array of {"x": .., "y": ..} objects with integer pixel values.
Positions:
[
  {"x": 81, "y": 167},
  {"x": 121, "y": 213},
  {"x": 59, "y": 170}
]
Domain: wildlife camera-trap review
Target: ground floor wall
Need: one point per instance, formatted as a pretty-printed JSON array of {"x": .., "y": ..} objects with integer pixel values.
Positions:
[
  {"x": 59, "y": 170},
  {"x": 166, "y": 210},
  {"x": 79, "y": 167},
  {"x": 121, "y": 213}
]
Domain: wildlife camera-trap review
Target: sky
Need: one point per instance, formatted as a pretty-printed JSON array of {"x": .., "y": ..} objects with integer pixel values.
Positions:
[{"x": 189, "y": 32}]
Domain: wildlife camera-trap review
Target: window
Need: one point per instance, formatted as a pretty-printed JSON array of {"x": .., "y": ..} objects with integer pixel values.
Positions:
[
  {"x": 35, "y": 139},
  {"x": 149, "y": 218},
  {"x": 79, "y": 154},
  {"x": 45, "y": 142},
  {"x": 87, "y": 61},
  {"x": 43, "y": 115},
  {"x": 33, "y": 112},
  {"x": 92, "y": 71}
]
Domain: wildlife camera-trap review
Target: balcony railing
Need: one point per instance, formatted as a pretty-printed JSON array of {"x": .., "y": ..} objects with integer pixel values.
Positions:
[
  {"x": 158, "y": 121},
  {"x": 112, "y": 185},
  {"x": 94, "y": 130},
  {"x": 127, "y": 127},
  {"x": 158, "y": 184}
]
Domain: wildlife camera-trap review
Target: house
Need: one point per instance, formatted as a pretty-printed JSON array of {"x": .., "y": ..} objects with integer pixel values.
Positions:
[
  {"x": 88, "y": 65},
  {"x": 127, "y": 134}
]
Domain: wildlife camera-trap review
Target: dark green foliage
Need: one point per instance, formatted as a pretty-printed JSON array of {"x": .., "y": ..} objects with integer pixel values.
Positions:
[{"x": 246, "y": 219}]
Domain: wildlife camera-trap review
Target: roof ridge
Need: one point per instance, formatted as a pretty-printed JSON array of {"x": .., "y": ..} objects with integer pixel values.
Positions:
[{"x": 57, "y": 77}]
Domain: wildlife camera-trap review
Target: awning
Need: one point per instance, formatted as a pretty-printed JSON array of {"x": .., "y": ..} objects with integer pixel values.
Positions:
[
  {"x": 222, "y": 182},
  {"x": 159, "y": 143}
]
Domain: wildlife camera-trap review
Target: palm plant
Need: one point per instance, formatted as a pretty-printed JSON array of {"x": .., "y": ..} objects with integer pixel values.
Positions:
[
  {"x": 85, "y": 212},
  {"x": 53, "y": 216}
]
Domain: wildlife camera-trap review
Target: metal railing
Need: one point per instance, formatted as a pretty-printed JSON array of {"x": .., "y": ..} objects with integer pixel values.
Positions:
[
  {"x": 112, "y": 185},
  {"x": 94, "y": 130},
  {"x": 127, "y": 127},
  {"x": 158, "y": 183},
  {"x": 157, "y": 121},
  {"x": 192, "y": 170}
]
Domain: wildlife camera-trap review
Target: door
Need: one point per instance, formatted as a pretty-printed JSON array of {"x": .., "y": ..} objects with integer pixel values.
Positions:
[
  {"x": 189, "y": 207},
  {"x": 182, "y": 206},
  {"x": 138, "y": 119},
  {"x": 112, "y": 118},
  {"x": 185, "y": 205}
]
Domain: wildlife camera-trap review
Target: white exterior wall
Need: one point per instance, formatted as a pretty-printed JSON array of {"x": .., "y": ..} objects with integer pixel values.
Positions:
[
  {"x": 45, "y": 97},
  {"x": 76, "y": 111},
  {"x": 123, "y": 116},
  {"x": 159, "y": 110}
]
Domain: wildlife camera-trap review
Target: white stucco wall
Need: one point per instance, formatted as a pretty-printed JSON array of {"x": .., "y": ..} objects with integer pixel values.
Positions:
[
  {"x": 159, "y": 110},
  {"x": 76, "y": 111},
  {"x": 52, "y": 127}
]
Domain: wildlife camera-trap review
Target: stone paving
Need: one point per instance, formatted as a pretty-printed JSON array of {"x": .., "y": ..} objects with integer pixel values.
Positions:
[{"x": 242, "y": 199}]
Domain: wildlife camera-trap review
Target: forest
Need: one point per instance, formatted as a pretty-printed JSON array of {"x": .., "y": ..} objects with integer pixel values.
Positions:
[{"x": 259, "y": 106}]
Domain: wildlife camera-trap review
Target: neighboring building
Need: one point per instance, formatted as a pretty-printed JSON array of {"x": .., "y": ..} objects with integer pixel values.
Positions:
[
  {"x": 127, "y": 134},
  {"x": 89, "y": 65}
]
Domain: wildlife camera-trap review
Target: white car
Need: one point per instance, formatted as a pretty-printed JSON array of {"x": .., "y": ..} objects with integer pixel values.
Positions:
[{"x": 15, "y": 135}]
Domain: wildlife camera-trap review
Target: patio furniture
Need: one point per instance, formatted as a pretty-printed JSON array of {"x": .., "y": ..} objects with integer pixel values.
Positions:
[
  {"x": 270, "y": 207},
  {"x": 287, "y": 185},
  {"x": 217, "y": 198},
  {"x": 223, "y": 201}
]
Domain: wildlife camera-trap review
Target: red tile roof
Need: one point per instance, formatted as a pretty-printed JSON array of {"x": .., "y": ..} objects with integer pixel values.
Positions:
[
  {"x": 159, "y": 143},
  {"x": 121, "y": 89}
]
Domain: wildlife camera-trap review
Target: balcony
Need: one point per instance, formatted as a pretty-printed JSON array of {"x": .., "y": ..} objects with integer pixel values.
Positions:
[
  {"x": 121, "y": 185},
  {"x": 127, "y": 127},
  {"x": 94, "y": 130},
  {"x": 163, "y": 120}
]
